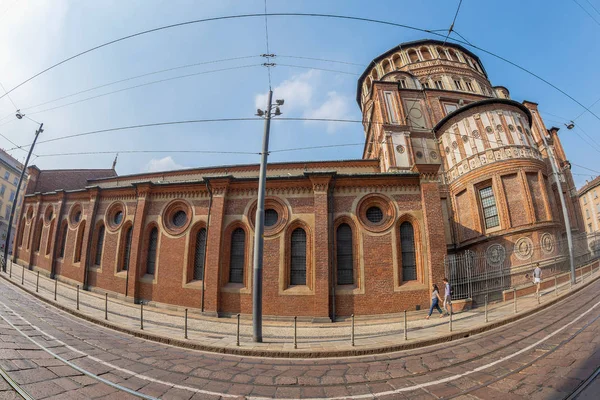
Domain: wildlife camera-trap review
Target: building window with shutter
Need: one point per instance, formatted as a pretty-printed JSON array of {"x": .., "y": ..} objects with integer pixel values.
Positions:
[
  {"x": 407, "y": 246},
  {"x": 344, "y": 255},
  {"x": 199, "y": 252},
  {"x": 488, "y": 204},
  {"x": 237, "y": 257},
  {"x": 99, "y": 245},
  {"x": 298, "y": 257},
  {"x": 151, "y": 255},
  {"x": 127, "y": 250}
]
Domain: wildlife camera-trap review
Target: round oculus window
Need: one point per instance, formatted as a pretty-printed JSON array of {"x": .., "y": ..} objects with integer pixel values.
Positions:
[
  {"x": 77, "y": 217},
  {"x": 271, "y": 217},
  {"x": 374, "y": 215},
  {"x": 118, "y": 217},
  {"x": 179, "y": 218}
]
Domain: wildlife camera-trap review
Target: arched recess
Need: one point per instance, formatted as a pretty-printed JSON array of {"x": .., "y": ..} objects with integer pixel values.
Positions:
[
  {"x": 151, "y": 250},
  {"x": 98, "y": 243},
  {"x": 239, "y": 254},
  {"x": 79, "y": 242},
  {"x": 344, "y": 255},
  {"x": 37, "y": 238},
  {"x": 125, "y": 246},
  {"x": 50, "y": 237},
  {"x": 387, "y": 67},
  {"x": 196, "y": 252},
  {"x": 374, "y": 74},
  {"x": 292, "y": 233},
  {"x": 64, "y": 231},
  {"x": 426, "y": 53},
  {"x": 416, "y": 250},
  {"x": 21, "y": 232},
  {"x": 397, "y": 60}
]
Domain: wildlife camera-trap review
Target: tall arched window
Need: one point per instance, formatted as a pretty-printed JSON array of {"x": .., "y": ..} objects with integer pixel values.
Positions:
[
  {"x": 38, "y": 235},
  {"x": 50, "y": 238},
  {"x": 21, "y": 232},
  {"x": 151, "y": 256},
  {"x": 345, "y": 259},
  {"x": 79, "y": 242},
  {"x": 63, "y": 239},
  {"x": 99, "y": 245},
  {"x": 407, "y": 245},
  {"x": 199, "y": 253},
  {"x": 298, "y": 257},
  {"x": 127, "y": 250},
  {"x": 237, "y": 256}
]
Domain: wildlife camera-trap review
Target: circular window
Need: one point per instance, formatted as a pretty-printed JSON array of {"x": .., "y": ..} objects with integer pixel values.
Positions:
[
  {"x": 176, "y": 217},
  {"x": 271, "y": 217},
  {"x": 374, "y": 214},
  {"x": 179, "y": 218},
  {"x": 75, "y": 215},
  {"x": 118, "y": 218},
  {"x": 419, "y": 154}
]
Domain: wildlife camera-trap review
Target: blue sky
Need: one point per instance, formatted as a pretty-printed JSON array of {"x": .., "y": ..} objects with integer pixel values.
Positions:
[{"x": 555, "y": 39}]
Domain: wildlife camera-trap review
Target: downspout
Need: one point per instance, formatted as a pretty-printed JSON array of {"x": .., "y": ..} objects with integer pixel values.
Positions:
[
  {"x": 206, "y": 241},
  {"x": 88, "y": 245},
  {"x": 331, "y": 245}
]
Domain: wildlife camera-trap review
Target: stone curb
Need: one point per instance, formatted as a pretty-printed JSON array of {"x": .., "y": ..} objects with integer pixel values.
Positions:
[{"x": 194, "y": 345}]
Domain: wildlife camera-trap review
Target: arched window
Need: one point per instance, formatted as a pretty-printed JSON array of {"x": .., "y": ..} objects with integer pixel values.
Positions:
[
  {"x": 63, "y": 239},
  {"x": 151, "y": 256},
  {"x": 407, "y": 245},
  {"x": 199, "y": 253},
  {"x": 50, "y": 238},
  {"x": 441, "y": 53},
  {"x": 345, "y": 258},
  {"x": 21, "y": 233},
  {"x": 425, "y": 53},
  {"x": 127, "y": 250},
  {"x": 413, "y": 56},
  {"x": 38, "y": 235},
  {"x": 79, "y": 242},
  {"x": 298, "y": 258},
  {"x": 99, "y": 245},
  {"x": 237, "y": 256},
  {"x": 387, "y": 67},
  {"x": 397, "y": 60}
]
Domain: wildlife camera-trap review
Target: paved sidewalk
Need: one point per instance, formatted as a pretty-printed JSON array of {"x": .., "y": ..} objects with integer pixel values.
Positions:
[{"x": 313, "y": 340}]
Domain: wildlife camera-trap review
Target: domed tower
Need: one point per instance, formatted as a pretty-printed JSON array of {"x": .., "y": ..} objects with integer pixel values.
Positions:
[{"x": 429, "y": 107}]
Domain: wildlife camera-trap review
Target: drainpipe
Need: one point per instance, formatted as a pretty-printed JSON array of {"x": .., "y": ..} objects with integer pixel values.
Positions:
[
  {"x": 331, "y": 245},
  {"x": 206, "y": 241}
]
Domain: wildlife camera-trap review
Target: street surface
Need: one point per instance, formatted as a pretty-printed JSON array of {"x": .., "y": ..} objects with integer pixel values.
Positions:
[{"x": 546, "y": 356}]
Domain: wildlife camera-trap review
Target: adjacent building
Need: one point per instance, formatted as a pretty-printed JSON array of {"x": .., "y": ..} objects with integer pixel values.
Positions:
[
  {"x": 10, "y": 171},
  {"x": 589, "y": 201},
  {"x": 450, "y": 165}
]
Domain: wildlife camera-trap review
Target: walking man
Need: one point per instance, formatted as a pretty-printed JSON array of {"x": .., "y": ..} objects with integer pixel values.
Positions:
[
  {"x": 537, "y": 278},
  {"x": 447, "y": 297}
]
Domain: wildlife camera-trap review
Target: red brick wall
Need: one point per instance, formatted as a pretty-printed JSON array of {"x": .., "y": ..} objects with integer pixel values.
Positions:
[{"x": 515, "y": 197}]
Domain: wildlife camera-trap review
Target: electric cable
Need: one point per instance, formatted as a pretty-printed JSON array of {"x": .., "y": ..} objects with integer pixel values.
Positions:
[
  {"x": 317, "y": 68},
  {"x": 267, "y": 54},
  {"x": 453, "y": 21},
  {"x": 587, "y": 12},
  {"x": 320, "y": 59},
  {"x": 595, "y": 9}
]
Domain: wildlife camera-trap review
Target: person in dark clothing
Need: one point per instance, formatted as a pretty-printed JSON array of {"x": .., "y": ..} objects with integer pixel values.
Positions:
[{"x": 435, "y": 299}]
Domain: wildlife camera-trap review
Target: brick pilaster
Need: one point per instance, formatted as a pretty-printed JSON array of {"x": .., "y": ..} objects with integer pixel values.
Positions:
[
  {"x": 92, "y": 208},
  {"x": 434, "y": 228},
  {"x": 137, "y": 240}
]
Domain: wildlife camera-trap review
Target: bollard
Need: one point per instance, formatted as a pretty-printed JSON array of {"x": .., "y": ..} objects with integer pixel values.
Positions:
[
  {"x": 515, "y": 298},
  {"x": 450, "y": 323},
  {"x": 22, "y": 275},
  {"x": 555, "y": 286},
  {"x": 37, "y": 282},
  {"x": 352, "y": 332},
  {"x": 295, "y": 332},
  {"x": 77, "y": 297},
  {"x": 141, "y": 316},
  {"x": 405, "y": 327},
  {"x": 237, "y": 336},
  {"x": 485, "y": 307},
  {"x": 10, "y": 271},
  {"x": 106, "y": 306},
  {"x": 185, "y": 325},
  {"x": 582, "y": 277},
  {"x": 55, "y": 287}
]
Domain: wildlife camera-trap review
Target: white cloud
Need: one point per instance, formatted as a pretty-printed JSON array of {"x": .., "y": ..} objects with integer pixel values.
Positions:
[
  {"x": 296, "y": 91},
  {"x": 163, "y": 164},
  {"x": 335, "y": 106}
]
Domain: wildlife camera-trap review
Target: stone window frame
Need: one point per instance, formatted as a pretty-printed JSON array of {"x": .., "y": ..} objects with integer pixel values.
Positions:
[
  {"x": 399, "y": 284},
  {"x": 386, "y": 205},
  {"x": 169, "y": 212},
  {"x": 358, "y": 268},
  {"x": 285, "y": 287},
  {"x": 94, "y": 248},
  {"x": 109, "y": 216},
  {"x": 490, "y": 182},
  {"x": 73, "y": 210},
  {"x": 283, "y": 212},
  {"x": 225, "y": 285},
  {"x": 191, "y": 255}
]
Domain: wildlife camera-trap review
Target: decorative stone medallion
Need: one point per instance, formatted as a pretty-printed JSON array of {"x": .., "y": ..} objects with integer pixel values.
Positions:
[
  {"x": 433, "y": 155},
  {"x": 547, "y": 243},
  {"x": 523, "y": 248},
  {"x": 419, "y": 154},
  {"x": 400, "y": 149},
  {"x": 475, "y": 134},
  {"x": 495, "y": 255},
  {"x": 465, "y": 138}
]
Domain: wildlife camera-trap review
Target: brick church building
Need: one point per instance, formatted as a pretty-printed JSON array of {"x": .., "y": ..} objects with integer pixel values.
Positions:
[{"x": 450, "y": 163}]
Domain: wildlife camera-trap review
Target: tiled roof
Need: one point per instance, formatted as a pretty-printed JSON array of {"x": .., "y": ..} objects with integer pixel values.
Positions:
[{"x": 69, "y": 179}]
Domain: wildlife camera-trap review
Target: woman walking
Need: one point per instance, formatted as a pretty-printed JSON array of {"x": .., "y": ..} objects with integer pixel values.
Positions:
[{"x": 435, "y": 299}]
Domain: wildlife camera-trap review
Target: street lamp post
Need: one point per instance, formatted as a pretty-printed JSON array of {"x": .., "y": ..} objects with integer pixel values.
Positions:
[
  {"x": 14, "y": 204},
  {"x": 260, "y": 220}
]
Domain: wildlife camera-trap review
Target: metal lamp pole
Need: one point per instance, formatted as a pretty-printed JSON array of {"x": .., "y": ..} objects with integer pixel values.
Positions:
[
  {"x": 14, "y": 204},
  {"x": 563, "y": 205},
  {"x": 260, "y": 221}
]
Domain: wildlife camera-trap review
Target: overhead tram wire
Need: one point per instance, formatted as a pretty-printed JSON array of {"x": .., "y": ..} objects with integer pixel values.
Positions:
[
  {"x": 320, "y": 59},
  {"x": 453, "y": 21},
  {"x": 587, "y": 12},
  {"x": 595, "y": 9},
  {"x": 316, "y": 15},
  {"x": 317, "y": 68},
  {"x": 267, "y": 54}
]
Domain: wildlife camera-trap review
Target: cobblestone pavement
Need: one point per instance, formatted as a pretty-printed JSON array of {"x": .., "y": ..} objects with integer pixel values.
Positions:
[
  {"x": 545, "y": 356},
  {"x": 371, "y": 334}
]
